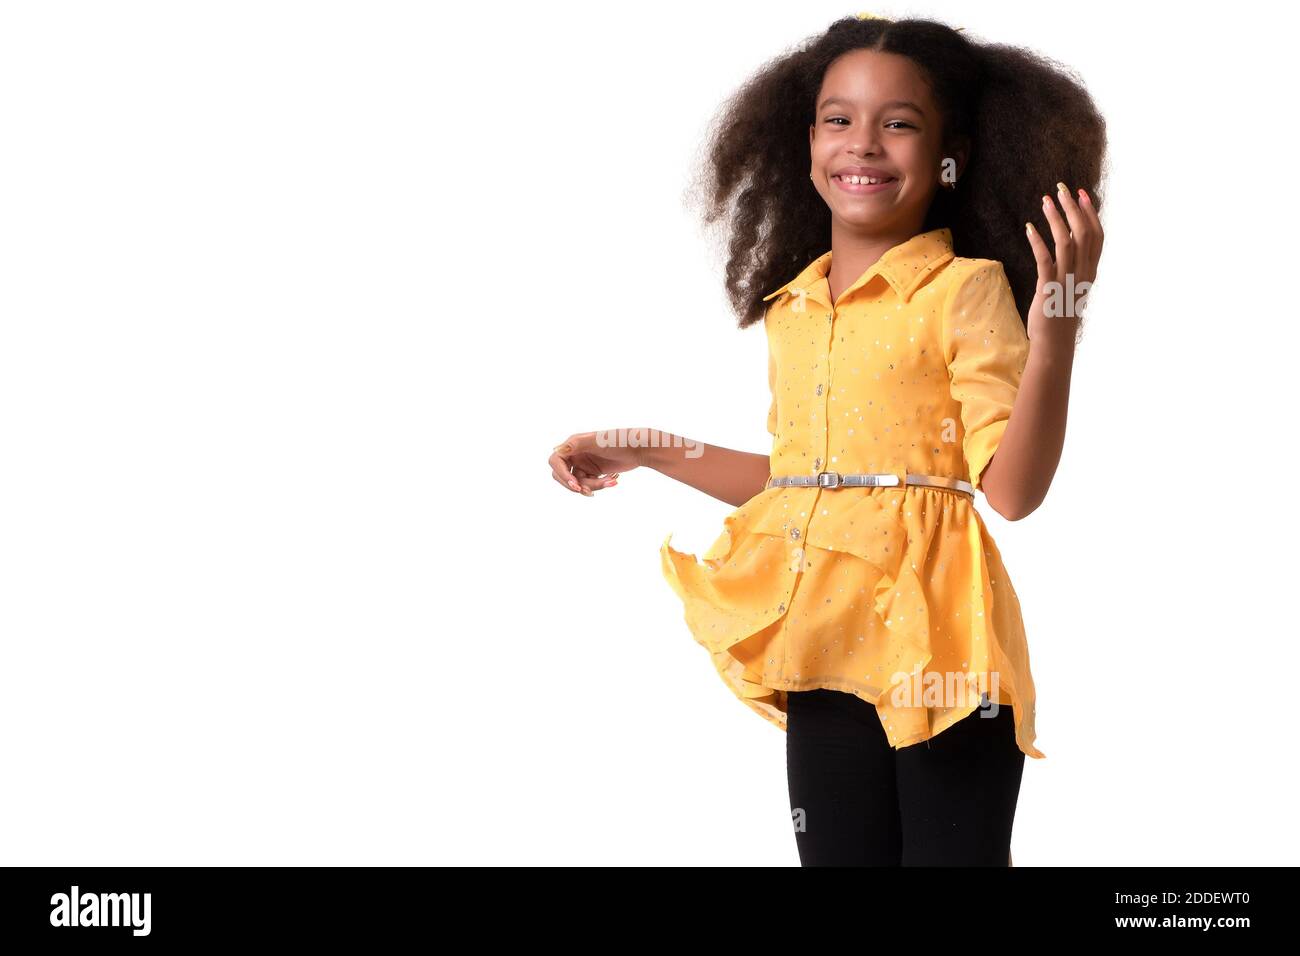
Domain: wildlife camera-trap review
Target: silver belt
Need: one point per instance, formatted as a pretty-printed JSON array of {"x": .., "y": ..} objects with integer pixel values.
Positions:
[{"x": 833, "y": 479}]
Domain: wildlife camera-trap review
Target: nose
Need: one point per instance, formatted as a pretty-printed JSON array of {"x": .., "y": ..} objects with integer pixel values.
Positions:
[{"x": 866, "y": 142}]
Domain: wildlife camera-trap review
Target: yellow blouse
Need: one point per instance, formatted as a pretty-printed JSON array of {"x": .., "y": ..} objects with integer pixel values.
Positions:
[{"x": 894, "y": 593}]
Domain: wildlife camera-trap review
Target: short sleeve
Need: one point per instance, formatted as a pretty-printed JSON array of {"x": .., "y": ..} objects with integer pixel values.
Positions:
[{"x": 986, "y": 348}]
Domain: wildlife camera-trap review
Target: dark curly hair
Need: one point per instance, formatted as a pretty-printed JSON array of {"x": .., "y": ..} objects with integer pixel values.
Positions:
[{"x": 1029, "y": 120}]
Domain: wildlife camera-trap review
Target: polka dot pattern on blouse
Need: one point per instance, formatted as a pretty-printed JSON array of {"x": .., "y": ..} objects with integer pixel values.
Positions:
[{"x": 894, "y": 593}]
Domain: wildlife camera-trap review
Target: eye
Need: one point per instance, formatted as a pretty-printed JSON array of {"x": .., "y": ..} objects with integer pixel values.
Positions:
[
  {"x": 899, "y": 123},
  {"x": 832, "y": 119}
]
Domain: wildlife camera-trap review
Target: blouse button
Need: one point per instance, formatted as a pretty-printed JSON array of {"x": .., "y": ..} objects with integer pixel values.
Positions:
[
  {"x": 794, "y": 534},
  {"x": 819, "y": 388},
  {"x": 817, "y": 464}
]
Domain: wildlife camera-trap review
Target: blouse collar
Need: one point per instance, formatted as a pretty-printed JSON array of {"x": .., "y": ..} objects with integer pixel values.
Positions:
[{"x": 905, "y": 266}]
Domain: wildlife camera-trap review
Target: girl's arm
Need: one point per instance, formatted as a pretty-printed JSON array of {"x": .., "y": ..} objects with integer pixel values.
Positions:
[
  {"x": 724, "y": 473},
  {"x": 1019, "y": 474}
]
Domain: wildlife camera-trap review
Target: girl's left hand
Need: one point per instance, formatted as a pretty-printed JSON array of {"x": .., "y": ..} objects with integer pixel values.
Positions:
[{"x": 1062, "y": 293}]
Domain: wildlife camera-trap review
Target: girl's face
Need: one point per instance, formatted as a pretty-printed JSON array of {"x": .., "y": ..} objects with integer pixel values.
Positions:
[{"x": 875, "y": 117}]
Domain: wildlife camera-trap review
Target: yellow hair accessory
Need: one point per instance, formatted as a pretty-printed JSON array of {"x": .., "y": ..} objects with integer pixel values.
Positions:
[{"x": 864, "y": 15}]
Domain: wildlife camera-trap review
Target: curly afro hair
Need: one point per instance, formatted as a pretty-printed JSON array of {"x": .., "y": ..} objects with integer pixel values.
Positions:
[{"x": 1029, "y": 122}]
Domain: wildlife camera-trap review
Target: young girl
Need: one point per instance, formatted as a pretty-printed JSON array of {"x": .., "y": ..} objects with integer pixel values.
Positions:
[{"x": 855, "y": 597}]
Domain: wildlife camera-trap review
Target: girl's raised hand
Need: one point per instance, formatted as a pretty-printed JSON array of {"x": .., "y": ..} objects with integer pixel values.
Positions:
[
  {"x": 582, "y": 465},
  {"x": 1061, "y": 280}
]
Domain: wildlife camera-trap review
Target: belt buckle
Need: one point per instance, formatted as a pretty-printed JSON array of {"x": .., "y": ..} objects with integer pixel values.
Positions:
[{"x": 834, "y": 477}]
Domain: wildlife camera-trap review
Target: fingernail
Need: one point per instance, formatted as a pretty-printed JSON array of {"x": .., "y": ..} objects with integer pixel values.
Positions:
[
  {"x": 1083, "y": 196},
  {"x": 1047, "y": 200},
  {"x": 562, "y": 448},
  {"x": 1061, "y": 187},
  {"x": 1029, "y": 227}
]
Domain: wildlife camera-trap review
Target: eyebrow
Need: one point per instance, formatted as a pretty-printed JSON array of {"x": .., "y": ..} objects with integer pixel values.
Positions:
[{"x": 892, "y": 104}]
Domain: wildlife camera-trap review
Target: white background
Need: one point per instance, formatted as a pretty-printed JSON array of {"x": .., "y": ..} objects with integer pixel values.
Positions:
[{"x": 296, "y": 300}]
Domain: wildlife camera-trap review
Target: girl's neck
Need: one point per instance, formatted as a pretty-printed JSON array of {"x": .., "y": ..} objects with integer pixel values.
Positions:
[{"x": 854, "y": 253}]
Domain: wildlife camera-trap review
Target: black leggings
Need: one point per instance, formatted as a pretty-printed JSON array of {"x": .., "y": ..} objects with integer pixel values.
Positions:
[{"x": 856, "y": 801}]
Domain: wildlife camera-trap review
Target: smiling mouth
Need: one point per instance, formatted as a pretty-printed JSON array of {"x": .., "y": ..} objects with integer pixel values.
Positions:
[{"x": 863, "y": 184}]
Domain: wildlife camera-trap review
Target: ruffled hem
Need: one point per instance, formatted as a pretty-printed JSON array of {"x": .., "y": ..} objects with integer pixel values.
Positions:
[
  {"x": 743, "y": 582},
  {"x": 738, "y": 596}
]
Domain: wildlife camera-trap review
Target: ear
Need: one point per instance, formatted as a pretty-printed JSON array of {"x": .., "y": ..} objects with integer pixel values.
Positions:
[{"x": 960, "y": 149}]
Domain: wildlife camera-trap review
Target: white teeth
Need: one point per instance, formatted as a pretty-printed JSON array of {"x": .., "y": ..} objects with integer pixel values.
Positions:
[{"x": 862, "y": 179}]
